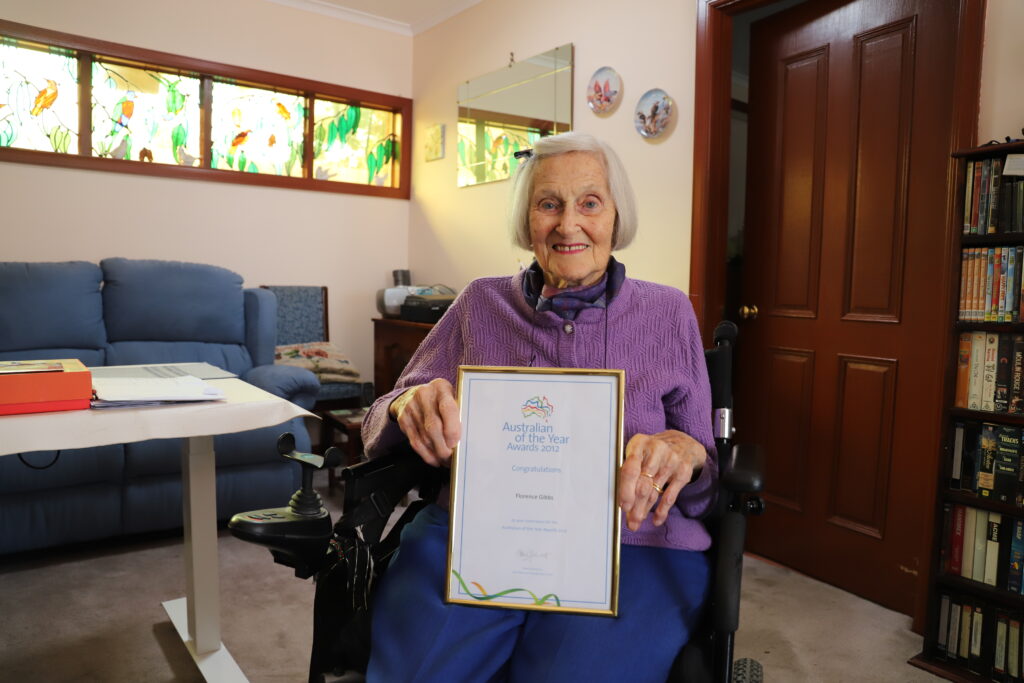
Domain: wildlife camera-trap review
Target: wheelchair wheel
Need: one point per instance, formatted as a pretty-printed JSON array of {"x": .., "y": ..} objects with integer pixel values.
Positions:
[{"x": 747, "y": 671}]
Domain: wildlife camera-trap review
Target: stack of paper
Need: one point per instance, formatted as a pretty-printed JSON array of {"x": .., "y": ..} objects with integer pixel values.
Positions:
[{"x": 113, "y": 392}]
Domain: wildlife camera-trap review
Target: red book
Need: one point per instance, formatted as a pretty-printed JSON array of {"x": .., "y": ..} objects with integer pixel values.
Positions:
[
  {"x": 33, "y": 387},
  {"x": 956, "y": 540}
]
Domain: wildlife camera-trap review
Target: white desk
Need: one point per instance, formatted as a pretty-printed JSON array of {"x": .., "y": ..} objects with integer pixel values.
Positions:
[{"x": 196, "y": 616}]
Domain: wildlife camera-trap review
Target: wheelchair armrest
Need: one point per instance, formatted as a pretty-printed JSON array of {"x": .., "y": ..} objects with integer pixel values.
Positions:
[{"x": 742, "y": 470}]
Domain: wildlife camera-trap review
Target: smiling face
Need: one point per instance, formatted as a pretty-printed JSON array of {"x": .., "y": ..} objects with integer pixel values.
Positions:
[{"x": 572, "y": 219}]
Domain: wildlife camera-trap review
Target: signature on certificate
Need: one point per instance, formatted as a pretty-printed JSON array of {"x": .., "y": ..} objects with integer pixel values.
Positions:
[{"x": 529, "y": 555}]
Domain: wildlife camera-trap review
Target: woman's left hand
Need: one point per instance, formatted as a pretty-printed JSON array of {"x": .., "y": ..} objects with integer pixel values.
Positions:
[{"x": 657, "y": 465}]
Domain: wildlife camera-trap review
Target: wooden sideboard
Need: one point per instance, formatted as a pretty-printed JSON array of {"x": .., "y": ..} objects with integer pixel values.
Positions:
[{"x": 394, "y": 342}]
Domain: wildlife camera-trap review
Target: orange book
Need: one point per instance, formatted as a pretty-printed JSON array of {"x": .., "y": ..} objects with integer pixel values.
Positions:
[
  {"x": 40, "y": 387},
  {"x": 963, "y": 370}
]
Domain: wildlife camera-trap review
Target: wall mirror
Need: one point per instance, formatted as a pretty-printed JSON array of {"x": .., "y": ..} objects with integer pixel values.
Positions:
[{"x": 505, "y": 111}]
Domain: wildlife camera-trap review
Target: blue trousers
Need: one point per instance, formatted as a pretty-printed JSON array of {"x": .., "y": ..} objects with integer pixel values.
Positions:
[{"x": 418, "y": 637}]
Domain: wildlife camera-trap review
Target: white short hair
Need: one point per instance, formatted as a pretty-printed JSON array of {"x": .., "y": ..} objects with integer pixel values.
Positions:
[{"x": 618, "y": 185}]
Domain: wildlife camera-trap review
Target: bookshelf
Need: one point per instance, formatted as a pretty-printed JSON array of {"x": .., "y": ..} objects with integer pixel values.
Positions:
[{"x": 975, "y": 613}]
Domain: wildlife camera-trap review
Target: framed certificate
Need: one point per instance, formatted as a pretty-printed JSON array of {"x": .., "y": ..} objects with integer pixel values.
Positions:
[{"x": 535, "y": 522}]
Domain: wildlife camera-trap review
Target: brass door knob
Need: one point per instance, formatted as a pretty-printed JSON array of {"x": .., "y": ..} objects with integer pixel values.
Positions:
[{"x": 748, "y": 312}]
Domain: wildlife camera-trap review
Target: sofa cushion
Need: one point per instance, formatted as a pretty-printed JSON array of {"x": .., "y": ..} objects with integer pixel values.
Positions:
[
  {"x": 231, "y": 357},
  {"x": 51, "y": 305},
  {"x": 90, "y": 357},
  {"x": 146, "y": 300},
  {"x": 72, "y": 467}
]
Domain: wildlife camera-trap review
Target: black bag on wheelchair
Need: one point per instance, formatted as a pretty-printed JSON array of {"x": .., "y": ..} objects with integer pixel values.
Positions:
[{"x": 359, "y": 553}]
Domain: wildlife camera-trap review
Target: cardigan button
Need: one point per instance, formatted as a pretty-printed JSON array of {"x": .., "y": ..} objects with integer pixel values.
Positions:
[{"x": 568, "y": 328}]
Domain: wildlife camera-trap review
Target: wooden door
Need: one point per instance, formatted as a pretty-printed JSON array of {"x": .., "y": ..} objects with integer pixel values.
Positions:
[{"x": 845, "y": 258}]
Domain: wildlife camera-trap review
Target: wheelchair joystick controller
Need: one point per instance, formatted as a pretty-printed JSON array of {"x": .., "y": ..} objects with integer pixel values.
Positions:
[{"x": 297, "y": 535}]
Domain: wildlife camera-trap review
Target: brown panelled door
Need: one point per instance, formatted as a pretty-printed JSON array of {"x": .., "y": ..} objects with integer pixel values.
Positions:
[{"x": 841, "y": 366}]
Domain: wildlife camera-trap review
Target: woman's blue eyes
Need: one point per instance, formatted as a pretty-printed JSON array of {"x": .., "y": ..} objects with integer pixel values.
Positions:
[{"x": 585, "y": 205}]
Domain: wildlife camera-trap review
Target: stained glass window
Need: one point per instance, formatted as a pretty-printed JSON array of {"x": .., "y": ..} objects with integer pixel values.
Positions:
[
  {"x": 486, "y": 150},
  {"x": 174, "y": 111},
  {"x": 143, "y": 114},
  {"x": 257, "y": 130},
  {"x": 354, "y": 144},
  {"x": 38, "y": 97}
]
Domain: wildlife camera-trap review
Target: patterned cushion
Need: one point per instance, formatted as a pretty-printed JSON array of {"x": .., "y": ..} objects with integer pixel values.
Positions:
[
  {"x": 300, "y": 314},
  {"x": 324, "y": 359}
]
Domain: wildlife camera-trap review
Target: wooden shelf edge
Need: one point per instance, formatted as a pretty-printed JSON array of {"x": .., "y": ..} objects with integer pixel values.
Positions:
[
  {"x": 990, "y": 150},
  {"x": 948, "y": 669}
]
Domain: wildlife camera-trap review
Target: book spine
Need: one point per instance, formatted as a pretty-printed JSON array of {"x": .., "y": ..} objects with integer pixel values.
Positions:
[
  {"x": 956, "y": 467},
  {"x": 976, "y": 635},
  {"x": 943, "y": 635},
  {"x": 1000, "y": 305},
  {"x": 976, "y": 198},
  {"x": 976, "y": 285},
  {"x": 995, "y": 172},
  {"x": 1016, "y": 376},
  {"x": 995, "y": 521},
  {"x": 988, "y": 387},
  {"x": 956, "y": 540},
  {"x": 990, "y": 273},
  {"x": 1011, "y": 276},
  {"x": 968, "y": 192},
  {"x": 1004, "y": 372},
  {"x": 986, "y": 467},
  {"x": 986, "y": 170},
  {"x": 999, "y": 648},
  {"x": 1013, "y": 576},
  {"x": 953, "y": 639},
  {"x": 966, "y": 615},
  {"x": 1012, "y": 648},
  {"x": 1007, "y": 464},
  {"x": 974, "y": 389},
  {"x": 980, "y": 546},
  {"x": 963, "y": 370},
  {"x": 970, "y": 520}
]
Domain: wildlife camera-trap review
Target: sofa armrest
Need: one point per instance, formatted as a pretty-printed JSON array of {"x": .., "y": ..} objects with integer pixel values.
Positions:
[
  {"x": 298, "y": 385},
  {"x": 260, "y": 325}
]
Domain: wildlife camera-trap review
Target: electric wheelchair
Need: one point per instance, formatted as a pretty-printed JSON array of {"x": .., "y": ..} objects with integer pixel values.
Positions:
[{"x": 347, "y": 557}]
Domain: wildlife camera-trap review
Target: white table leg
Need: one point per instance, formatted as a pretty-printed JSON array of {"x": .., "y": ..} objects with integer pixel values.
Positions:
[
  {"x": 198, "y": 619},
  {"x": 199, "y": 503}
]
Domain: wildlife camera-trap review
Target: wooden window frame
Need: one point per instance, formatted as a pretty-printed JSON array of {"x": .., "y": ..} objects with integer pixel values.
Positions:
[{"x": 89, "y": 49}]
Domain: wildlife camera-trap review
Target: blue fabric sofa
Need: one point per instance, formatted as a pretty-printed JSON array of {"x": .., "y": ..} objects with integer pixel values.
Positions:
[{"x": 123, "y": 312}]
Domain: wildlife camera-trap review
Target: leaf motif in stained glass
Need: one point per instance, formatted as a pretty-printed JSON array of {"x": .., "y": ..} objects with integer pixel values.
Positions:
[
  {"x": 355, "y": 153},
  {"x": 6, "y": 133},
  {"x": 178, "y": 137}
]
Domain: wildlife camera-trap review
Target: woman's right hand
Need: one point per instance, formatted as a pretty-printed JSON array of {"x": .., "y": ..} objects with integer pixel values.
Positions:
[{"x": 429, "y": 416}]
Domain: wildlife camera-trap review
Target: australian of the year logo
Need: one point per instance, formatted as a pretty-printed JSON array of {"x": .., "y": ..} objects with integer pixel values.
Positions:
[{"x": 539, "y": 407}]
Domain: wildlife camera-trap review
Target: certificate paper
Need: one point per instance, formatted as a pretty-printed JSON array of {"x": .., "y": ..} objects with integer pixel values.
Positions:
[{"x": 534, "y": 514}]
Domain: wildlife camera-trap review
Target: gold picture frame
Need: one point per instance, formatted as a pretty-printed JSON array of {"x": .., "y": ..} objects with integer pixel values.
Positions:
[{"x": 535, "y": 522}]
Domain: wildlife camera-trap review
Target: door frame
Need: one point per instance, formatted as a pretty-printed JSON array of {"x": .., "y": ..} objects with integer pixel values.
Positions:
[{"x": 709, "y": 227}]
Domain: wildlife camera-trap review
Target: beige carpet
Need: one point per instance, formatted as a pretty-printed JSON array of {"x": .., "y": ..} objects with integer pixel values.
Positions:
[{"x": 94, "y": 614}]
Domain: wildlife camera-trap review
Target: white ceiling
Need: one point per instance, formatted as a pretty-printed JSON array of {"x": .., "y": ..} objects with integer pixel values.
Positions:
[{"x": 407, "y": 17}]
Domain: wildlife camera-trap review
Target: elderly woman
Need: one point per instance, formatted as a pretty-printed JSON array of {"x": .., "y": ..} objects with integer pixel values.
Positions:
[{"x": 573, "y": 307}]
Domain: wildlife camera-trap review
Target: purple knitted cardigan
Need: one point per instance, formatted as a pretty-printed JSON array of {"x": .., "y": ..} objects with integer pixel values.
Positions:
[{"x": 649, "y": 330}]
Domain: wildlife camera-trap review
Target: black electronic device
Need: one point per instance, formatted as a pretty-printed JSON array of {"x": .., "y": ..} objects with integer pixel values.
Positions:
[
  {"x": 297, "y": 535},
  {"x": 426, "y": 308}
]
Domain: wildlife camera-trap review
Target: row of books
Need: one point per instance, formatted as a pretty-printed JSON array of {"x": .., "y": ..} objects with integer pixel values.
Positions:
[
  {"x": 990, "y": 372},
  {"x": 983, "y": 546},
  {"x": 993, "y": 202},
  {"x": 983, "y": 638},
  {"x": 990, "y": 284},
  {"x": 987, "y": 461}
]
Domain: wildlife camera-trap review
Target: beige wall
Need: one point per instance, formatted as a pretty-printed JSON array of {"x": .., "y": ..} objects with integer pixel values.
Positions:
[
  {"x": 1002, "y": 97},
  {"x": 457, "y": 234},
  {"x": 268, "y": 235}
]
